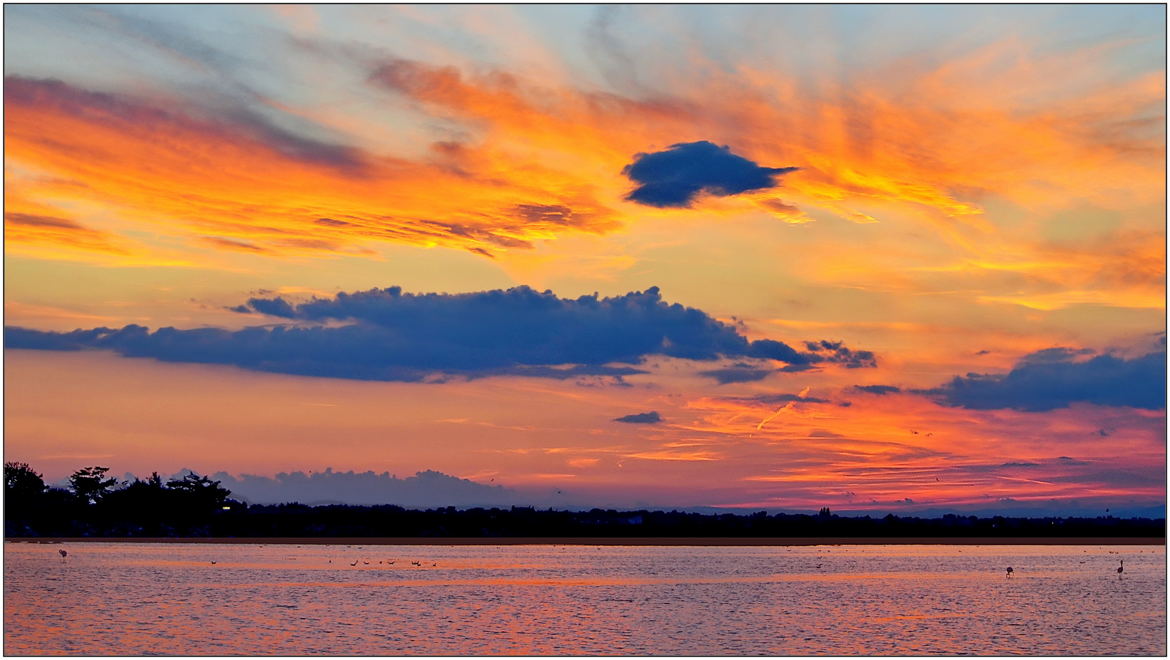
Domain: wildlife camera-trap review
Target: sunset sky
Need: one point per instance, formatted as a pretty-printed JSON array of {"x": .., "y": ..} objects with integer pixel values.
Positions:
[{"x": 876, "y": 258}]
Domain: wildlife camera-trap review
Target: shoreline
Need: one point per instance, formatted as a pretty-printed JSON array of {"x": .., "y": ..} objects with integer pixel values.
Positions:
[{"x": 611, "y": 541}]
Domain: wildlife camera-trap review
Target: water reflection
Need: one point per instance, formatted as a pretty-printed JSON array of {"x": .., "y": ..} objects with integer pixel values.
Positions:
[{"x": 131, "y": 599}]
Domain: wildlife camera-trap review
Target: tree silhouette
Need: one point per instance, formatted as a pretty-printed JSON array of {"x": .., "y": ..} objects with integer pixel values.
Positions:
[
  {"x": 22, "y": 482},
  {"x": 139, "y": 507},
  {"x": 24, "y": 491},
  {"x": 200, "y": 492},
  {"x": 90, "y": 484},
  {"x": 138, "y": 493}
]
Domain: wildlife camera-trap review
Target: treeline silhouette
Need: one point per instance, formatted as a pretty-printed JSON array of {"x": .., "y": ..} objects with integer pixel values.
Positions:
[{"x": 95, "y": 505}]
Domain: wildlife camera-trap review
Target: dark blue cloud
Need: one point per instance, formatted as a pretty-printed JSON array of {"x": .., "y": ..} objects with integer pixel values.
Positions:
[
  {"x": 820, "y": 352},
  {"x": 738, "y": 373},
  {"x": 76, "y": 340},
  {"x": 676, "y": 176},
  {"x": 385, "y": 334},
  {"x": 880, "y": 390},
  {"x": 1054, "y": 378},
  {"x": 651, "y": 417},
  {"x": 835, "y": 351},
  {"x": 778, "y": 350},
  {"x": 773, "y": 399},
  {"x": 268, "y": 306},
  {"x": 523, "y": 326}
]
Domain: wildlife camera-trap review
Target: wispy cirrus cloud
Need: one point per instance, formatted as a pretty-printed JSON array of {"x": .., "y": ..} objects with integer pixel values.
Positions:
[
  {"x": 238, "y": 179},
  {"x": 34, "y": 228}
]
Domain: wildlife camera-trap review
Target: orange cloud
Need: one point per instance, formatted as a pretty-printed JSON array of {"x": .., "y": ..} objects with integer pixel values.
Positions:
[
  {"x": 31, "y": 228},
  {"x": 536, "y": 161},
  {"x": 236, "y": 182}
]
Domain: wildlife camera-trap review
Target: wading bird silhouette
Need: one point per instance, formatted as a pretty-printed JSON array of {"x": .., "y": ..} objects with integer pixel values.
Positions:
[
  {"x": 1121, "y": 568},
  {"x": 63, "y": 554},
  {"x": 1009, "y": 571}
]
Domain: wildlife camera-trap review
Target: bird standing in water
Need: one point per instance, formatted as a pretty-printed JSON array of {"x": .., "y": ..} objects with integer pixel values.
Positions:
[
  {"x": 1121, "y": 568},
  {"x": 1009, "y": 571}
]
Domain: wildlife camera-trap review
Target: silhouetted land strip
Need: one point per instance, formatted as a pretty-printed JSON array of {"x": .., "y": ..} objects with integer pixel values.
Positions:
[
  {"x": 644, "y": 541},
  {"x": 393, "y": 524},
  {"x": 196, "y": 507}
]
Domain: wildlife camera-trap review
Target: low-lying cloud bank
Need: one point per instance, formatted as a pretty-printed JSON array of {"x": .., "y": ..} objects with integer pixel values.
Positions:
[
  {"x": 424, "y": 489},
  {"x": 385, "y": 334}
]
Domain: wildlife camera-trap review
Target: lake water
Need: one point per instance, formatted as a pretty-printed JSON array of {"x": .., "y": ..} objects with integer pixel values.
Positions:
[{"x": 138, "y": 599}]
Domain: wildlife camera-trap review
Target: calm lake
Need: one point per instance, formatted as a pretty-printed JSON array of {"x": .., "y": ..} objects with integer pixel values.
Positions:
[{"x": 137, "y": 599}]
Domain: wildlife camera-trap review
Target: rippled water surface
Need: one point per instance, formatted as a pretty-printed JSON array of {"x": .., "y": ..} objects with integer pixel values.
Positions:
[{"x": 135, "y": 599}]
